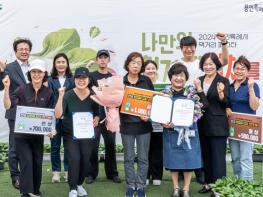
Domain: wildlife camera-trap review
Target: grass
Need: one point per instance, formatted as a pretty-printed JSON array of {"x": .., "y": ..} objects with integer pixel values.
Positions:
[{"x": 104, "y": 187}]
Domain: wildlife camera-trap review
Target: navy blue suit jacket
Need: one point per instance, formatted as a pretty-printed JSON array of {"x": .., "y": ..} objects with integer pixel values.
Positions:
[{"x": 16, "y": 78}]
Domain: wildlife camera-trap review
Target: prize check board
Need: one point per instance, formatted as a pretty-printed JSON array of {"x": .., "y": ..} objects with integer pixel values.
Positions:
[
  {"x": 33, "y": 120},
  {"x": 245, "y": 127},
  {"x": 137, "y": 101}
]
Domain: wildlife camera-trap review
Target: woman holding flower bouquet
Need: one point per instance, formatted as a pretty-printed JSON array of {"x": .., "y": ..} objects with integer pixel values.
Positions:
[{"x": 181, "y": 147}]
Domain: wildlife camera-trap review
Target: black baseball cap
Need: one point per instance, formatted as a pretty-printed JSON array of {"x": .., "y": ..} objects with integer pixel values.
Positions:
[
  {"x": 81, "y": 71},
  {"x": 103, "y": 52}
]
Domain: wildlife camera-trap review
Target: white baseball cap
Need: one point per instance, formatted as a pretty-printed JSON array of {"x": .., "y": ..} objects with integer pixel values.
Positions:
[{"x": 37, "y": 64}]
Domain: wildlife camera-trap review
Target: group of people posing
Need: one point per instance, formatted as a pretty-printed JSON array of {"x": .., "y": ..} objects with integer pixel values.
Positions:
[{"x": 200, "y": 147}]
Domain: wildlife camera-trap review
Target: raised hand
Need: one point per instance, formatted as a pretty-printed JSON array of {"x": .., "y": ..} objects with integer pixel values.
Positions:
[
  {"x": 198, "y": 85},
  {"x": 2, "y": 65},
  {"x": 250, "y": 83},
  {"x": 220, "y": 87},
  {"x": 61, "y": 91},
  {"x": 222, "y": 37},
  {"x": 96, "y": 120},
  {"x": 6, "y": 82}
]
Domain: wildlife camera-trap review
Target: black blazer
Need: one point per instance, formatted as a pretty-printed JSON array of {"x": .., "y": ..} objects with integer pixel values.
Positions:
[
  {"x": 214, "y": 121},
  {"x": 16, "y": 78}
]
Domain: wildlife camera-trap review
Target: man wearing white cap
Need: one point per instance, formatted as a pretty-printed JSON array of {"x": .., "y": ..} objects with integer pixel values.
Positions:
[
  {"x": 17, "y": 73},
  {"x": 29, "y": 147}
]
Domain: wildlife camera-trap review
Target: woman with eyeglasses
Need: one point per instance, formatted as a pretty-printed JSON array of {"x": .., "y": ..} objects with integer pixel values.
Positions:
[
  {"x": 135, "y": 129},
  {"x": 244, "y": 98}
]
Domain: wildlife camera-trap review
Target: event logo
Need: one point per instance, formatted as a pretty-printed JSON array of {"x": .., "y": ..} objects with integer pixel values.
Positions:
[
  {"x": 256, "y": 7},
  {"x": 21, "y": 126}
]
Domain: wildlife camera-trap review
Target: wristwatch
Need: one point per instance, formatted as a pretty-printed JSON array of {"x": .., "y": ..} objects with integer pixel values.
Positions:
[{"x": 225, "y": 43}]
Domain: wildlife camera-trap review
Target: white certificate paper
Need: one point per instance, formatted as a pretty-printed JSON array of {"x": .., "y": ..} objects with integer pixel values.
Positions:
[
  {"x": 83, "y": 125},
  {"x": 180, "y": 112},
  {"x": 183, "y": 112},
  {"x": 161, "y": 109}
]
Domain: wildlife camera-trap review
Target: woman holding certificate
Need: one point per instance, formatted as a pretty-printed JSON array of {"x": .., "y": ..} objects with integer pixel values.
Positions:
[
  {"x": 181, "y": 147},
  {"x": 213, "y": 126},
  {"x": 80, "y": 116},
  {"x": 244, "y": 98},
  {"x": 134, "y": 128},
  {"x": 30, "y": 146}
]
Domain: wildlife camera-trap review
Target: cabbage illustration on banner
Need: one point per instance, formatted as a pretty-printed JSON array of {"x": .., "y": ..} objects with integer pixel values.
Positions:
[{"x": 68, "y": 41}]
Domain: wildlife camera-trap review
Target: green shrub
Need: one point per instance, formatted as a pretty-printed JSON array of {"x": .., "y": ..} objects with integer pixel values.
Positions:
[
  {"x": 3, "y": 158},
  {"x": 3, "y": 154},
  {"x": 47, "y": 148},
  {"x": 258, "y": 148},
  {"x": 232, "y": 187},
  {"x": 119, "y": 148},
  {"x": 3, "y": 147},
  {"x": 101, "y": 149}
]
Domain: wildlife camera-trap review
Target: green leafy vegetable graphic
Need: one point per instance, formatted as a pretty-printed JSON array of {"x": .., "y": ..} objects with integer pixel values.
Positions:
[
  {"x": 94, "y": 32},
  {"x": 59, "y": 42},
  {"x": 81, "y": 57}
]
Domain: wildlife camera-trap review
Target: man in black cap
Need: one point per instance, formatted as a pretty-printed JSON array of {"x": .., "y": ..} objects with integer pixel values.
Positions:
[{"x": 110, "y": 164}]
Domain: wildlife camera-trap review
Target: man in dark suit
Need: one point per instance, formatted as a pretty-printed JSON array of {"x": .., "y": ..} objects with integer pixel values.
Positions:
[{"x": 17, "y": 73}]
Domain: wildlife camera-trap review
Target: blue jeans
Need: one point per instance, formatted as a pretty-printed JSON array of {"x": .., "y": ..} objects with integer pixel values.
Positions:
[
  {"x": 55, "y": 151},
  {"x": 136, "y": 180},
  {"x": 241, "y": 154}
]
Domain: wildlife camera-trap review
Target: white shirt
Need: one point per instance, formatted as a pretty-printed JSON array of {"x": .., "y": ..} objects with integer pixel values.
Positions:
[
  {"x": 206, "y": 87},
  {"x": 25, "y": 68},
  {"x": 193, "y": 70},
  {"x": 62, "y": 80}
]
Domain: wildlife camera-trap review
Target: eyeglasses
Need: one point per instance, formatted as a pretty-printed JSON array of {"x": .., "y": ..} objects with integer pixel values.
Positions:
[
  {"x": 138, "y": 63},
  {"x": 23, "y": 49}
]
